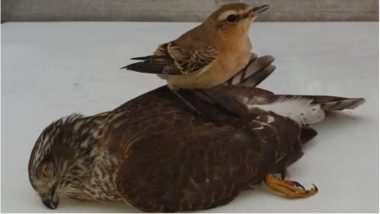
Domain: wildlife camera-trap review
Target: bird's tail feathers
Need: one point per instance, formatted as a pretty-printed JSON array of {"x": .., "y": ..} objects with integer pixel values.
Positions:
[
  {"x": 141, "y": 66},
  {"x": 142, "y": 57}
]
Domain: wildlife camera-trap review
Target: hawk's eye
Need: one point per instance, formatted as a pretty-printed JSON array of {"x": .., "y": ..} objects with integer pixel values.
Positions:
[
  {"x": 231, "y": 18},
  {"x": 46, "y": 170}
]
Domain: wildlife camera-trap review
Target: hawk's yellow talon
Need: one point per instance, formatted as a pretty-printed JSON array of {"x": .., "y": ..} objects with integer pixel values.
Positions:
[{"x": 288, "y": 188}]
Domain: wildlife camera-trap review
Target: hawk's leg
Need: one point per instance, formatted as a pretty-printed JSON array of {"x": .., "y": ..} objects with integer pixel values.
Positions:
[
  {"x": 288, "y": 188},
  {"x": 283, "y": 174},
  {"x": 187, "y": 103}
]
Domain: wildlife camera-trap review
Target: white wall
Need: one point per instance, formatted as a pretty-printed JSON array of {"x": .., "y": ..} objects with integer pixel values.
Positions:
[{"x": 183, "y": 10}]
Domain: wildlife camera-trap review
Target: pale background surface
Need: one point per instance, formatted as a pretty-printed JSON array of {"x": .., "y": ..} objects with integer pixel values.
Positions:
[
  {"x": 183, "y": 10},
  {"x": 52, "y": 69}
]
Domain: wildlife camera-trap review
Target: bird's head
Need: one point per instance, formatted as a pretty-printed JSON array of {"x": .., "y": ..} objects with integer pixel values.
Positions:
[
  {"x": 234, "y": 18},
  {"x": 53, "y": 164}
]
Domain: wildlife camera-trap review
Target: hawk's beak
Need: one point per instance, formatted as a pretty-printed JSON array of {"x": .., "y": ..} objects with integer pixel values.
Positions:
[
  {"x": 50, "y": 203},
  {"x": 260, "y": 9},
  {"x": 50, "y": 200}
]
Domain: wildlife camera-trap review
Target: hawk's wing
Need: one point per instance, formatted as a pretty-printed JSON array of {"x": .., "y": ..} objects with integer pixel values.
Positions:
[
  {"x": 169, "y": 58},
  {"x": 246, "y": 100},
  {"x": 205, "y": 165},
  {"x": 304, "y": 109},
  {"x": 183, "y": 161}
]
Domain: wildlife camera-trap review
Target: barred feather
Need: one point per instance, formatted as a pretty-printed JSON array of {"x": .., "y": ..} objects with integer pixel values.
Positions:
[{"x": 258, "y": 69}]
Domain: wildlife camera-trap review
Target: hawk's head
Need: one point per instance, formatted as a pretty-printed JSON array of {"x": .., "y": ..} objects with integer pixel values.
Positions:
[{"x": 55, "y": 165}]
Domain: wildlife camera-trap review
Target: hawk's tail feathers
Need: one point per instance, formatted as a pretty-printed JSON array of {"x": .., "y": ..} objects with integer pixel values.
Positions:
[
  {"x": 331, "y": 103},
  {"x": 303, "y": 109},
  {"x": 339, "y": 103}
]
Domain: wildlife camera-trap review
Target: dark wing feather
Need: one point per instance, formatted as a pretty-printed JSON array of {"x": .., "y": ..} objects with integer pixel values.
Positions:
[
  {"x": 190, "y": 171},
  {"x": 257, "y": 70},
  {"x": 169, "y": 58},
  {"x": 195, "y": 163}
]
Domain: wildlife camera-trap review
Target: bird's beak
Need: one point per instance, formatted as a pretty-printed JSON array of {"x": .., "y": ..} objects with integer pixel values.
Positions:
[
  {"x": 51, "y": 204},
  {"x": 50, "y": 200},
  {"x": 260, "y": 9}
]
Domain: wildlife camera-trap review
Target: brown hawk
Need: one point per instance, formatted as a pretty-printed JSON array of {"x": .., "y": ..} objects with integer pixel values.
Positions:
[{"x": 156, "y": 155}]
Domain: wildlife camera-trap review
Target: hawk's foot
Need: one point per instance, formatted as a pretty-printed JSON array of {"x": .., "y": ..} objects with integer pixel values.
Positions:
[{"x": 288, "y": 188}]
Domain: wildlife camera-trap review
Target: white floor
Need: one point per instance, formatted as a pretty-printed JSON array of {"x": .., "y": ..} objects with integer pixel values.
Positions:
[{"x": 52, "y": 69}]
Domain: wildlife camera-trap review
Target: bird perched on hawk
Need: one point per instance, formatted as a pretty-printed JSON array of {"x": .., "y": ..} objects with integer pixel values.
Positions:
[
  {"x": 207, "y": 55},
  {"x": 157, "y": 156}
]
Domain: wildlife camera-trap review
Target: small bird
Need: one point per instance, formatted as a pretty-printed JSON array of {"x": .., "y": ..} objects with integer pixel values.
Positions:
[
  {"x": 207, "y": 55},
  {"x": 159, "y": 157}
]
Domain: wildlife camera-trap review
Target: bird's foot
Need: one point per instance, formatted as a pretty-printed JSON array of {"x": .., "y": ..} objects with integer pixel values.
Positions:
[
  {"x": 288, "y": 188},
  {"x": 283, "y": 174}
]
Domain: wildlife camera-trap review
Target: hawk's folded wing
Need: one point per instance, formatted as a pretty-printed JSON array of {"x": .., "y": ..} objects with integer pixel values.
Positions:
[{"x": 205, "y": 165}]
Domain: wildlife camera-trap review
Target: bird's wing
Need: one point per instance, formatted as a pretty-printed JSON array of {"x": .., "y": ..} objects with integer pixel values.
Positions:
[
  {"x": 257, "y": 70},
  {"x": 205, "y": 165},
  {"x": 171, "y": 59}
]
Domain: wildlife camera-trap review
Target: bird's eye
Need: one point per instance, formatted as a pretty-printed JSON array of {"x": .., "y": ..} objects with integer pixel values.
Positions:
[
  {"x": 231, "y": 18},
  {"x": 46, "y": 170}
]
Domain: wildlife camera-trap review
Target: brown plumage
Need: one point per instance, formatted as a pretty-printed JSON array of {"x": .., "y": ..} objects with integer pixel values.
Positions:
[
  {"x": 157, "y": 156},
  {"x": 207, "y": 55}
]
